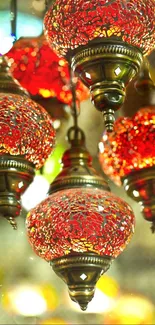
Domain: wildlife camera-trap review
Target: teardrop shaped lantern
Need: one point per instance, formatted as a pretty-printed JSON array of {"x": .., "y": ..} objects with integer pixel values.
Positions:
[
  {"x": 42, "y": 72},
  {"x": 105, "y": 41},
  {"x": 26, "y": 139},
  {"x": 81, "y": 227}
]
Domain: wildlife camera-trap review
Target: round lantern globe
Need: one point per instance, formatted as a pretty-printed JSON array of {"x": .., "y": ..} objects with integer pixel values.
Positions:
[
  {"x": 72, "y": 23},
  {"x": 130, "y": 147},
  {"x": 80, "y": 220},
  {"x": 42, "y": 72},
  {"x": 26, "y": 129},
  {"x": 27, "y": 138}
]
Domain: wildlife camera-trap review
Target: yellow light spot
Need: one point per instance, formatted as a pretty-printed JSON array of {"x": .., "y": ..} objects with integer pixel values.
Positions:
[
  {"x": 46, "y": 93},
  {"x": 62, "y": 63}
]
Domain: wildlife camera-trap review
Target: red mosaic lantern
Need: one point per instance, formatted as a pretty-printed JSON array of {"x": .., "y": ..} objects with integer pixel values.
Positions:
[
  {"x": 42, "y": 72},
  {"x": 81, "y": 227},
  {"x": 127, "y": 156},
  {"x": 27, "y": 138},
  {"x": 73, "y": 23},
  {"x": 80, "y": 220},
  {"x": 25, "y": 129},
  {"x": 105, "y": 40}
]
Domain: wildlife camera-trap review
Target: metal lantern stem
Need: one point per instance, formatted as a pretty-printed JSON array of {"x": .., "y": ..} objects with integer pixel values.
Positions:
[{"x": 106, "y": 67}]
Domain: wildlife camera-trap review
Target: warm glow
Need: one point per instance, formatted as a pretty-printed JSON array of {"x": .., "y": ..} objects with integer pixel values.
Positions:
[
  {"x": 123, "y": 151},
  {"x": 27, "y": 301},
  {"x": 30, "y": 300},
  {"x": 108, "y": 286},
  {"x": 113, "y": 30},
  {"x": 53, "y": 321},
  {"x": 131, "y": 309},
  {"x": 46, "y": 93}
]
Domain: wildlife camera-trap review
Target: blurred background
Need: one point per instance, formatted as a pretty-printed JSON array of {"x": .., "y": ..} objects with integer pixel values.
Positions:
[{"x": 30, "y": 292}]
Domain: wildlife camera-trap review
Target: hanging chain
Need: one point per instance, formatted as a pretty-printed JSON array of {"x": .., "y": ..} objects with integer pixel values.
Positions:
[
  {"x": 74, "y": 99},
  {"x": 74, "y": 130},
  {"x": 13, "y": 18},
  {"x": 47, "y": 3}
]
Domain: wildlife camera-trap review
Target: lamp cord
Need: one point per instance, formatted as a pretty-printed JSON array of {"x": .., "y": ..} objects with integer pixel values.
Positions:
[
  {"x": 13, "y": 18},
  {"x": 74, "y": 99},
  {"x": 46, "y": 5},
  {"x": 74, "y": 133}
]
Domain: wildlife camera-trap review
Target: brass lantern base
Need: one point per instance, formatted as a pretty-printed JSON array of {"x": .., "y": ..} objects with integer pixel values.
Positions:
[
  {"x": 106, "y": 66},
  {"x": 140, "y": 186},
  {"x": 15, "y": 176},
  {"x": 81, "y": 272}
]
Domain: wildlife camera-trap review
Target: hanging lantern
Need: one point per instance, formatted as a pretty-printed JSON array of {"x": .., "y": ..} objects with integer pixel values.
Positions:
[
  {"x": 81, "y": 227},
  {"x": 26, "y": 140},
  {"x": 42, "y": 72},
  {"x": 127, "y": 156},
  {"x": 105, "y": 41}
]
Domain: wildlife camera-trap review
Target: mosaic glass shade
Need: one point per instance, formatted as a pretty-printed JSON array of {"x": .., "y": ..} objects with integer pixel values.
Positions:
[
  {"x": 71, "y": 23},
  {"x": 42, "y": 72},
  {"x": 130, "y": 147},
  {"x": 80, "y": 220},
  {"x": 25, "y": 129}
]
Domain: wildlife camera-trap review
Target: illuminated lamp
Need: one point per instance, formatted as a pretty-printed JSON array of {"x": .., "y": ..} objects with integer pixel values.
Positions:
[
  {"x": 127, "y": 156},
  {"x": 105, "y": 41},
  {"x": 81, "y": 227},
  {"x": 27, "y": 138},
  {"x": 42, "y": 72}
]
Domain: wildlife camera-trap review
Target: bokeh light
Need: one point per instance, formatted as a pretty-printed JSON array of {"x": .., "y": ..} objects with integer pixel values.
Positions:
[
  {"x": 30, "y": 300},
  {"x": 131, "y": 309}
]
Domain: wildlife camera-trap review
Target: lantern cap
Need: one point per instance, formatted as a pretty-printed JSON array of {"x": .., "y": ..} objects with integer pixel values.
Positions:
[
  {"x": 77, "y": 168},
  {"x": 8, "y": 84}
]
